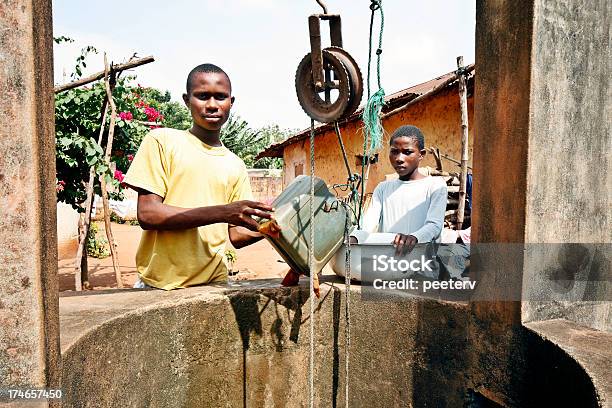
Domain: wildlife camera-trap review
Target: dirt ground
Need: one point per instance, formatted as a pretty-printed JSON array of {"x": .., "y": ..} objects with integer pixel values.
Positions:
[{"x": 257, "y": 261}]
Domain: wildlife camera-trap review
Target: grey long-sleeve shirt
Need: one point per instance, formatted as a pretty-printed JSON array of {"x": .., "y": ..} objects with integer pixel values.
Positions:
[{"x": 413, "y": 207}]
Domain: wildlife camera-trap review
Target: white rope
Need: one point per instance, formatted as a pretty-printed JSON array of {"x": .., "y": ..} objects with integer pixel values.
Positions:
[
  {"x": 347, "y": 280},
  {"x": 311, "y": 265},
  {"x": 347, "y": 290}
]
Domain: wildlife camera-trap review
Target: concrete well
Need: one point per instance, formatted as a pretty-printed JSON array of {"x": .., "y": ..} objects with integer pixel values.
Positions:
[{"x": 207, "y": 347}]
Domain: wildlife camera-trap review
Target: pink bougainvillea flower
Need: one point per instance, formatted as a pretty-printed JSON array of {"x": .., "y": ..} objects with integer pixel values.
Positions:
[
  {"x": 60, "y": 186},
  {"x": 119, "y": 175},
  {"x": 130, "y": 157},
  {"x": 152, "y": 114},
  {"x": 126, "y": 116}
]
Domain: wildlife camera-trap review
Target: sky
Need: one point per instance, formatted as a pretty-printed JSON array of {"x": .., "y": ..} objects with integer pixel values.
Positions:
[{"x": 260, "y": 43}]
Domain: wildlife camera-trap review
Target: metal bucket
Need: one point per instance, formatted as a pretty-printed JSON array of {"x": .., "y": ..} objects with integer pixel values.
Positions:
[{"x": 292, "y": 212}]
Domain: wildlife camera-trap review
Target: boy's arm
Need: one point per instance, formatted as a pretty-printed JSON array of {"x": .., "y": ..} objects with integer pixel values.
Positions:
[
  {"x": 241, "y": 237},
  {"x": 435, "y": 216},
  {"x": 153, "y": 214}
]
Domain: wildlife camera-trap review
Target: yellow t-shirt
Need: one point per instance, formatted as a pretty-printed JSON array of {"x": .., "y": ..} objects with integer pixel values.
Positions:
[{"x": 187, "y": 173}]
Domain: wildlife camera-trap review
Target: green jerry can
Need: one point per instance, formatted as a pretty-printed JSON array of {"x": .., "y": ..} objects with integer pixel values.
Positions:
[{"x": 292, "y": 213}]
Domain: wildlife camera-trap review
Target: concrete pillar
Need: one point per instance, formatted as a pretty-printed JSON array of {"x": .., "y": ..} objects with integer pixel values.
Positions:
[
  {"x": 504, "y": 30},
  {"x": 29, "y": 328},
  {"x": 542, "y": 173},
  {"x": 542, "y": 156},
  {"x": 569, "y": 172}
]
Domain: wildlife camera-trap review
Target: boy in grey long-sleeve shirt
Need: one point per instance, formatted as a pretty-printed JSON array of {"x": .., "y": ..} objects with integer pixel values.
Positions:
[{"x": 412, "y": 206}]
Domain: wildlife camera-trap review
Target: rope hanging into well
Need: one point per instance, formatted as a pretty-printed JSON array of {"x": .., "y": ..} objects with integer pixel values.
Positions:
[
  {"x": 348, "y": 207},
  {"x": 372, "y": 126},
  {"x": 373, "y": 130},
  {"x": 311, "y": 264},
  {"x": 347, "y": 299}
]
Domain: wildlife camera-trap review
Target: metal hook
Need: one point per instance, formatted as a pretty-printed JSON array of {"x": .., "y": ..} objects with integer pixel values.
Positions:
[
  {"x": 323, "y": 6},
  {"x": 327, "y": 207}
]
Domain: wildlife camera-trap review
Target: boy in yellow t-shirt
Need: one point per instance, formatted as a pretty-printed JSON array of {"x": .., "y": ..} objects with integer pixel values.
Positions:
[{"x": 193, "y": 193}]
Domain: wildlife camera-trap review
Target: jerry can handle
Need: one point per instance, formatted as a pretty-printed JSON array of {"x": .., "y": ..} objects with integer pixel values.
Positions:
[{"x": 330, "y": 204}]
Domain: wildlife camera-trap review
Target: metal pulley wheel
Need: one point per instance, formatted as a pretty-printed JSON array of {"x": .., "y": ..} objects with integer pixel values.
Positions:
[{"x": 342, "y": 74}]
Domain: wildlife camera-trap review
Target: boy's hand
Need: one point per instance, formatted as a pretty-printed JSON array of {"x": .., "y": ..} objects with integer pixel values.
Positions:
[
  {"x": 240, "y": 213},
  {"x": 404, "y": 244},
  {"x": 270, "y": 228}
]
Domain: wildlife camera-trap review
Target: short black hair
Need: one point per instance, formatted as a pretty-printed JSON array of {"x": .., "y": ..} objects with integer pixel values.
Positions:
[
  {"x": 208, "y": 68},
  {"x": 411, "y": 132}
]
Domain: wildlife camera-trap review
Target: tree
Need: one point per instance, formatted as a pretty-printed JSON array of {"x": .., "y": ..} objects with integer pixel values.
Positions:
[
  {"x": 78, "y": 116},
  {"x": 176, "y": 115},
  {"x": 241, "y": 140},
  {"x": 273, "y": 134},
  {"x": 246, "y": 143}
]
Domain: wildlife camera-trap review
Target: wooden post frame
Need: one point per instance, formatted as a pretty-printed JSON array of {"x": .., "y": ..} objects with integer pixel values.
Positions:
[{"x": 464, "y": 142}]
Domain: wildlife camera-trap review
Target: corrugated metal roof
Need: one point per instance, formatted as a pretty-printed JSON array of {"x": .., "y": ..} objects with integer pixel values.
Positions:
[{"x": 393, "y": 101}]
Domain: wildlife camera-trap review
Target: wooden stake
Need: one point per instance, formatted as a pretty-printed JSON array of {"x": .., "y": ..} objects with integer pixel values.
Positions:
[
  {"x": 81, "y": 274},
  {"x": 464, "y": 142},
  {"x": 100, "y": 75},
  {"x": 436, "y": 154},
  {"x": 453, "y": 160},
  {"x": 109, "y": 147},
  {"x": 83, "y": 271}
]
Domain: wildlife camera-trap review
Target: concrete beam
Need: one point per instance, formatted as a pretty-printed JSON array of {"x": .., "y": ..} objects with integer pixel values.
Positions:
[{"x": 29, "y": 334}]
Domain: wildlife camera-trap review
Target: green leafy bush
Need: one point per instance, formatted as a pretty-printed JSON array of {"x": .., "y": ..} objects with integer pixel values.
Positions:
[
  {"x": 117, "y": 219},
  {"x": 97, "y": 247}
]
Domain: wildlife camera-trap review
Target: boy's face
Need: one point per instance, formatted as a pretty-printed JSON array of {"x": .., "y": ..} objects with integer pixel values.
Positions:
[
  {"x": 405, "y": 156},
  {"x": 209, "y": 100}
]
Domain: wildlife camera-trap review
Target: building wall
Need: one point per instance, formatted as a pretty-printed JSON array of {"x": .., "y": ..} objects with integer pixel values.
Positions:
[
  {"x": 266, "y": 188},
  {"x": 67, "y": 231},
  {"x": 439, "y": 117}
]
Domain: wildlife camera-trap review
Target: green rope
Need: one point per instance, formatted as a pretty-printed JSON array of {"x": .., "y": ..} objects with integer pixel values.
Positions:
[
  {"x": 373, "y": 130},
  {"x": 372, "y": 126}
]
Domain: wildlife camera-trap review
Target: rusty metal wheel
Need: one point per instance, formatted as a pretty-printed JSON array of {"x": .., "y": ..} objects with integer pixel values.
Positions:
[
  {"x": 355, "y": 78},
  {"x": 337, "y": 78}
]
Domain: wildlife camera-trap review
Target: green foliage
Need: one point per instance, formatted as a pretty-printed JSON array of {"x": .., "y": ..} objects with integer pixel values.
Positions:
[
  {"x": 97, "y": 247},
  {"x": 176, "y": 115},
  {"x": 62, "y": 39},
  {"x": 246, "y": 143},
  {"x": 241, "y": 140},
  {"x": 78, "y": 114},
  {"x": 80, "y": 61},
  {"x": 273, "y": 134},
  {"x": 231, "y": 256},
  {"x": 117, "y": 219},
  {"x": 155, "y": 96}
]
